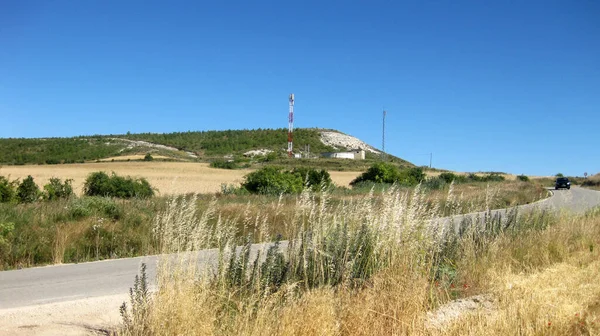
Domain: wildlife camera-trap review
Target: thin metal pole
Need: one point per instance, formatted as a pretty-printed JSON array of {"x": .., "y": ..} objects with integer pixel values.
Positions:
[{"x": 383, "y": 137}]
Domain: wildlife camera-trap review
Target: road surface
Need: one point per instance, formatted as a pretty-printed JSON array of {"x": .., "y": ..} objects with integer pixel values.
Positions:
[{"x": 60, "y": 288}]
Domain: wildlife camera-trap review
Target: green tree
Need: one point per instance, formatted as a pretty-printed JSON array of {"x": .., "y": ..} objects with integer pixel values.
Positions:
[
  {"x": 56, "y": 189},
  {"x": 7, "y": 190},
  {"x": 28, "y": 191}
]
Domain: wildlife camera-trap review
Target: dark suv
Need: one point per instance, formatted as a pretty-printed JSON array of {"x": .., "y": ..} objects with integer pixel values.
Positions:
[{"x": 562, "y": 182}]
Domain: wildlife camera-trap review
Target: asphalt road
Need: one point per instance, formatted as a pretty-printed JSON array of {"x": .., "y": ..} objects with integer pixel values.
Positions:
[{"x": 41, "y": 285}]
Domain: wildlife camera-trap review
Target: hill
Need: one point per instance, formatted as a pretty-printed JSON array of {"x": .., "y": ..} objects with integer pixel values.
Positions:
[{"x": 180, "y": 146}]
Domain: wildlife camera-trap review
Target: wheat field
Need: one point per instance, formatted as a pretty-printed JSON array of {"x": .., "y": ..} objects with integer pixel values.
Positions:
[{"x": 168, "y": 177}]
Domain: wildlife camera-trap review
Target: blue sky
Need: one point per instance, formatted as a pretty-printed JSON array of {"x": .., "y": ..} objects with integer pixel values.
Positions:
[{"x": 484, "y": 85}]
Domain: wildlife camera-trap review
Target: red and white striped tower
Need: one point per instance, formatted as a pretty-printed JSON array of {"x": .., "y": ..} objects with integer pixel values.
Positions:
[{"x": 291, "y": 126}]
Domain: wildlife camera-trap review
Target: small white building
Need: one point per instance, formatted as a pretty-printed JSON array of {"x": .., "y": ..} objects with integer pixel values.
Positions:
[{"x": 357, "y": 154}]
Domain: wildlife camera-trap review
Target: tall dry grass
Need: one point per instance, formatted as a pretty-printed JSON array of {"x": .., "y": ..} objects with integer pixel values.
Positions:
[{"x": 370, "y": 267}]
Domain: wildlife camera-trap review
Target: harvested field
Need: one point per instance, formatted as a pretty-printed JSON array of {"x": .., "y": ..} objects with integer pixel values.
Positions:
[{"x": 169, "y": 177}]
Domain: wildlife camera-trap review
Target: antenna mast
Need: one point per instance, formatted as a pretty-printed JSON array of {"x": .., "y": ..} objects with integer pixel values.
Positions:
[{"x": 291, "y": 126}]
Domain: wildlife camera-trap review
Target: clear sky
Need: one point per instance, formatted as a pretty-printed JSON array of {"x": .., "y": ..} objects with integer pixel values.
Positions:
[{"x": 484, "y": 85}]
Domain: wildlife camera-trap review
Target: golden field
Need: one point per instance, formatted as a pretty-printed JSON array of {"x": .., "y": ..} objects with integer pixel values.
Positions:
[{"x": 169, "y": 177}]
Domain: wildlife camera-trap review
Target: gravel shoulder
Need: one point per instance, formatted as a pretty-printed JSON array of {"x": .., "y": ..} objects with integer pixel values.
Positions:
[{"x": 90, "y": 316}]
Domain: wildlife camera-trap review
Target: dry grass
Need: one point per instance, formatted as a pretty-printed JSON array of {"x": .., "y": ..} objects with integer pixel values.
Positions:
[
  {"x": 596, "y": 181},
  {"x": 508, "y": 177},
  {"x": 539, "y": 275},
  {"x": 169, "y": 177},
  {"x": 480, "y": 196}
]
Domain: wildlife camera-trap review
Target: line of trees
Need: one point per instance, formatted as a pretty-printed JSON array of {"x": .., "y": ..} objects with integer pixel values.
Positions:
[{"x": 96, "y": 184}]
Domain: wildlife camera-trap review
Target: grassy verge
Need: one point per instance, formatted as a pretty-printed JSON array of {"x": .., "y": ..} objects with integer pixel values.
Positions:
[
  {"x": 372, "y": 266},
  {"x": 75, "y": 230},
  {"x": 93, "y": 228}
]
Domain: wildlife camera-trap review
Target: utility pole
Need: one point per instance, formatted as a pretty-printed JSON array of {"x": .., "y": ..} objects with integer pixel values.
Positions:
[
  {"x": 383, "y": 137},
  {"x": 291, "y": 126}
]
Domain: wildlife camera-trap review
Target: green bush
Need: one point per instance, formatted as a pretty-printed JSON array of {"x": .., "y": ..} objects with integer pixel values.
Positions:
[
  {"x": 148, "y": 157},
  {"x": 314, "y": 178},
  {"x": 28, "y": 191},
  {"x": 383, "y": 172},
  {"x": 100, "y": 184},
  {"x": 55, "y": 189},
  {"x": 493, "y": 177},
  {"x": 435, "y": 183},
  {"x": 449, "y": 177},
  {"x": 231, "y": 189},
  {"x": 523, "y": 178},
  {"x": 275, "y": 181},
  {"x": 100, "y": 206},
  {"x": 222, "y": 164},
  {"x": 380, "y": 172},
  {"x": 7, "y": 190},
  {"x": 269, "y": 157},
  {"x": 411, "y": 176}
]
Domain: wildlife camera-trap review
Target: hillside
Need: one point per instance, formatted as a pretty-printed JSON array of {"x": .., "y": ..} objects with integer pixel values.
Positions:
[{"x": 181, "y": 146}]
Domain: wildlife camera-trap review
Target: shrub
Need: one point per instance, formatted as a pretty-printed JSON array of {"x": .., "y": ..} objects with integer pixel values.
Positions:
[
  {"x": 313, "y": 178},
  {"x": 380, "y": 172},
  {"x": 590, "y": 183},
  {"x": 269, "y": 157},
  {"x": 6, "y": 236},
  {"x": 222, "y": 164},
  {"x": 100, "y": 184},
  {"x": 523, "y": 178},
  {"x": 383, "y": 172},
  {"x": 88, "y": 206},
  {"x": 52, "y": 161},
  {"x": 447, "y": 177},
  {"x": 492, "y": 177},
  {"x": 435, "y": 183},
  {"x": 273, "y": 181},
  {"x": 148, "y": 157},
  {"x": 55, "y": 189},
  {"x": 28, "y": 191},
  {"x": 230, "y": 189},
  {"x": 411, "y": 176},
  {"x": 7, "y": 190}
]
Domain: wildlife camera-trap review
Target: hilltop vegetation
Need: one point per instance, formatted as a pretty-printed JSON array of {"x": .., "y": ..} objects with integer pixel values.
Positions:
[
  {"x": 213, "y": 143},
  {"x": 56, "y": 150},
  {"x": 207, "y": 145}
]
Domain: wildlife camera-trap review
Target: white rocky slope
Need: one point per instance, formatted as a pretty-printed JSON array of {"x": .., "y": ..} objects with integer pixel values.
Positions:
[
  {"x": 137, "y": 143},
  {"x": 345, "y": 142}
]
